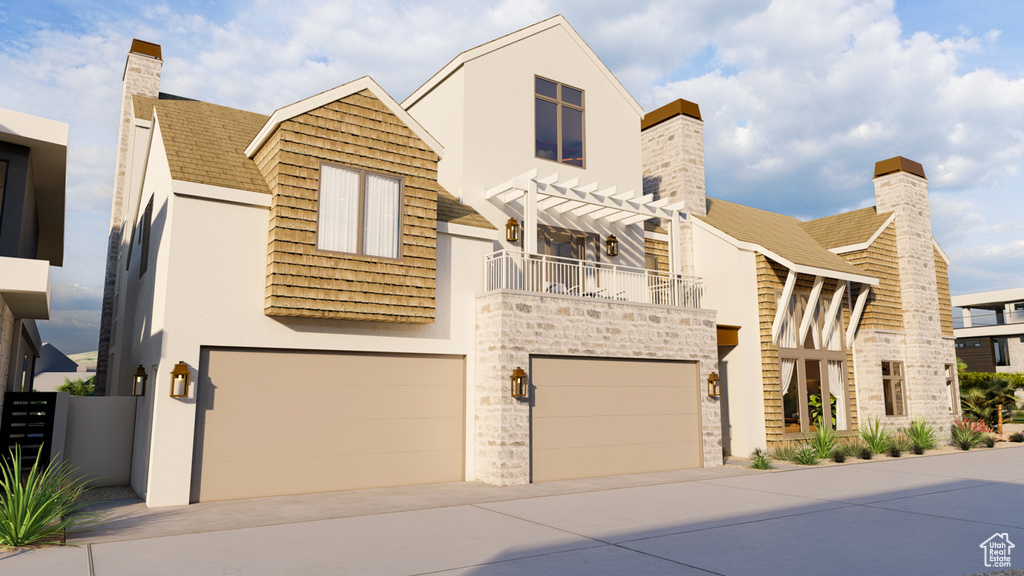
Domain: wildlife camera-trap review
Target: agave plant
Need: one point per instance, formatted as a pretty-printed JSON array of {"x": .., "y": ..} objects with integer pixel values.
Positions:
[
  {"x": 921, "y": 435},
  {"x": 823, "y": 442},
  {"x": 876, "y": 436},
  {"x": 40, "y": 506}
]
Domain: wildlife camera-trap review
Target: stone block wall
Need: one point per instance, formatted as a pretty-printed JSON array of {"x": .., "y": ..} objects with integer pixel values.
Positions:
[
  {"x": 6, "y": 338},
  {"x": 512, "y": 326}
]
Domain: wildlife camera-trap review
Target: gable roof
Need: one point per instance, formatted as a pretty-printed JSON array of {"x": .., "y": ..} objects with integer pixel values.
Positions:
[
  {"x": 313, "y": 102},
  {"x": 204, "y": 142},
  {"x": 554, "y": 22},
  {"x": 848, "y": 231},
  {"x": 781, "y": 238}
]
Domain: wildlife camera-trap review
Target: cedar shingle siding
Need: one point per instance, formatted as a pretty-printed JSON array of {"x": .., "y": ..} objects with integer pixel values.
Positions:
[
  {"x": 771, "y": 278},
  {"x": 884, "y": 309},
  {"x": 361, "y": 132},
  {"x": 945, "y": 305}
]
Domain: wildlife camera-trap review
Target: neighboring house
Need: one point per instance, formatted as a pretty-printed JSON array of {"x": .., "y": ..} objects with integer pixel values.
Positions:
[
  {"x": 33, "y": 164},
  {"x": 53, "y": 367},
  {"x": 497, "y": 280},
  {"x": 991, "y": 338}
]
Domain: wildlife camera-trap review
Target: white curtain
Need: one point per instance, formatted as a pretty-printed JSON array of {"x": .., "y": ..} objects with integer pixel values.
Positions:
[
  {"x": 787, "y": 339},
  {"x": 381, "y": 234},
  {"x": 338, "y": 225},
  {"x": 837, "y": 389},
  {"x": 832, "y": 339}
]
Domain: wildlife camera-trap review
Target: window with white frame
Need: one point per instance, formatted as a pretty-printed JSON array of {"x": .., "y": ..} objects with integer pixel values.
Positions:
[
  {"x": 359, "y": 212},
  {"x": 812, "y": 370},
  {"x": 893, "y": 389}
]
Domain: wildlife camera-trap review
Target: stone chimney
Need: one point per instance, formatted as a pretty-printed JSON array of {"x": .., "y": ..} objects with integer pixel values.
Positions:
[
  {"x": 672, "y": 145},
  {"x": 141, "y": 77},
  {"x": 901, "y": 187}
]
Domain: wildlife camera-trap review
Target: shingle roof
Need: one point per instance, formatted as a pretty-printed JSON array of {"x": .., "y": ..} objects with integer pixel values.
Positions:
[
  {"x": 206, "y": 144},
  {"x": 846, "y": 229},
  {"x": 782, "y": 235}
]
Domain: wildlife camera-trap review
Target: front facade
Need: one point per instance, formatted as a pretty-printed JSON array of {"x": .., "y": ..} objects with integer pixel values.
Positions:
[
  {"x": 510, "y": 277},
  {"x": 33, "y": 164},
  {"x": 991, "y": 337}
]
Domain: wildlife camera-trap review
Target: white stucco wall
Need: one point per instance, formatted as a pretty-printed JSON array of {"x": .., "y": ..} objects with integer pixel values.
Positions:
[{"x": 730, "y": 280}]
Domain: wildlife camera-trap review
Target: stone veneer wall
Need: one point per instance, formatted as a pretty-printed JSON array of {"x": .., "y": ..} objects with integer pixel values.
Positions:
[
  {"x": 771, "y": 279},
  {"x": 510, "y": 326},
  {"x": 6, "y": 337},
  {"x": 141, "y": 77},
  {"x": 1015, "y": 348},
  {"x": 926, "y": 352}
]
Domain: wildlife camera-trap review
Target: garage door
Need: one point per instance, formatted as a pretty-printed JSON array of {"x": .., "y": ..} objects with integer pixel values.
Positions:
[
  {"x": 272, "y": 423},
  {"x": 606, "y": 417}
]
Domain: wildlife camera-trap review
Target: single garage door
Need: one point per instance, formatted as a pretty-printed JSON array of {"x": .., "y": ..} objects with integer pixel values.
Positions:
[
  {"x": 605, "y": 417},
  {"x": 272, "y": 423}
]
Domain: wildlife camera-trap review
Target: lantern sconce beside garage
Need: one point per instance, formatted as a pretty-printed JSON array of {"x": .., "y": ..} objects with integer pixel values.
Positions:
[
  {"x": 179, "y": 380},
  {"x": 714, "y": 385},
  {"x": 139, "y": 382},
  {"x": 520, "y": 389},
  {"x": 613, "y": 245},
  {"x": 512, "y": 231}
]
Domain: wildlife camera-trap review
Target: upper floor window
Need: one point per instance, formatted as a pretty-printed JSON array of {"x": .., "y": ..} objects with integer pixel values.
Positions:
[
  {"x": 147, "y": 222},
  {"x": 559, "y": 122},
  {"x": 360, "y": 212},
  {"x": 892, "y": 389}
]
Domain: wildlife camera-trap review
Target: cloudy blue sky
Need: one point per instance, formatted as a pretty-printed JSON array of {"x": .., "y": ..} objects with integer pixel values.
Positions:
[{"x": 800, "y": 97}]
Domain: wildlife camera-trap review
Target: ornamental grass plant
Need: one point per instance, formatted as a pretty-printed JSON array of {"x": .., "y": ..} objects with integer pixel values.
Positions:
[
  {"x": 39, "y": 507},
  {"x": 759, "y": 460},
  {"x": 921, "y": 435},
  {"x": 967, "y": 433},
  {"x": 876, "y": 436}
]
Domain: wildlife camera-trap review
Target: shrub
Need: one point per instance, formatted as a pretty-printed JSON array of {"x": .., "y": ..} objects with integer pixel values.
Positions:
[
  {"x": 759, "y": 460},
  {"x": 894, "y": 450},
  {"x": 823, "y": 442},
  {"x": 982, "y": 394},
  {"x": 1017, "y": 437},
  {"x": 876, "y": 436},
  {"x": 839, "y": 455},
  {"x": 988, "y": 441},
  {"x": 921, "y": 434},
  {"x": 865, "y": 453},
  {"x": 786, "y": 451},
  {"x": 968, "y": 433},
  {"x": 38, "y": 507},
  {"x": 806, "y": 457},
  {"x": 78, "y": 387}
]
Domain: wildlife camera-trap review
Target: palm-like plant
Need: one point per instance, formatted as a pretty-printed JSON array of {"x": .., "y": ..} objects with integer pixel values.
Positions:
[{"x": 989, "y": 401}]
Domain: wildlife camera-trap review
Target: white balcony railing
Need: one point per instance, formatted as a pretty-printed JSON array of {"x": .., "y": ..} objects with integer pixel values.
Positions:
[{"x": 512, "y": 270}]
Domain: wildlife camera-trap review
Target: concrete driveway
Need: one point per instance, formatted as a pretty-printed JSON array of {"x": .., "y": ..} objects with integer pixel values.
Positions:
[{"x": 925, "y": 515}]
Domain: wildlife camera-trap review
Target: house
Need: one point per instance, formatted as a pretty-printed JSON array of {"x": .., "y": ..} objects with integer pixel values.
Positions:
[
  {"x": 991, "y": 338},
  {"x": 33, "y": 165},
  {"x": 848, "y": 307},
  {"x": 505, "y": 278}
]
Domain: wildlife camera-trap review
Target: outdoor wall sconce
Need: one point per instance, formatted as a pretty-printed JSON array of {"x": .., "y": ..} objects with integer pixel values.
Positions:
[
  {"x": 612, "y": 245},
  {"x": 139, "y": 382},
  {"x": 512, "y": 231},
  {"x": 714, "y": 385},
  {"x": 179, "y": 380},
  {"x": 519, "y": 386}
]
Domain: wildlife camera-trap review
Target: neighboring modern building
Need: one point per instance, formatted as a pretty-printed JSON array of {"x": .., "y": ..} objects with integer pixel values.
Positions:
[
  {"x": 33, "y": 165},
  {"x": 991, "y": 338},
  {"x": 512, "y": 276}
]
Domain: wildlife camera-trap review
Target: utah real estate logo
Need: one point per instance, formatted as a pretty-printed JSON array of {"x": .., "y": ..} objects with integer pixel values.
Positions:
[{"x": 997, "y": 550}]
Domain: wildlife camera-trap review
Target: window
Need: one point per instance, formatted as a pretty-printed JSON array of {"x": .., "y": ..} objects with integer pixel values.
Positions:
[
  {"x": 812, "y": 372},
  {"x": 144, "y": 238},
  {"x": 3, "y": 180},
  {"x": 1002, "y": 351},
  {"x": 892, "y": 389},
  {"x": 360, "y": 212},
  {"x": 559, "y": 122},
  {"x": 968, "y": 343},
  {"x": 952, "y": 388}
]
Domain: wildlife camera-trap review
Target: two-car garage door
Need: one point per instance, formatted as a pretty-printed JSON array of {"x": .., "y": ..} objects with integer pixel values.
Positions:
[
  {"x": 594, "y": 417},
  {"x": 271, "y": 423}
]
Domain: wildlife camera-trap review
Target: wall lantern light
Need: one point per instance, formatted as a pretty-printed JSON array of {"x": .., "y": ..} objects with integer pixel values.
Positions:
[
  {"x": 179, "y": 380},
  {"x": 714, "y": 385},
  {"x": 139, "y": 382},
  {"x": 613, "y": 245},
  {"x": 512, "y": 230},
  {"x": 519, "y": 386}
]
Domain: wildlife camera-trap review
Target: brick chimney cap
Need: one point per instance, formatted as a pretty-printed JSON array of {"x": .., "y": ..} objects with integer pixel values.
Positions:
[
  {"x": 145, "y": 48},
  {"x": 899, "y": 164},
  {"x": 678, "y": 108}
]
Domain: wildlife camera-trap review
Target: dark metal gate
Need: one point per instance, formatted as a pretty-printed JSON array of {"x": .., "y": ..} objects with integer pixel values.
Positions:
[{"x": 27, "y": 420}]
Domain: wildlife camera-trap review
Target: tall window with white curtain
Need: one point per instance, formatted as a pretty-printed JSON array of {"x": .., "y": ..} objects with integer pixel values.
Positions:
[
  {"x": 812, "y": 365},
  {"x": 359, "y": 212}
]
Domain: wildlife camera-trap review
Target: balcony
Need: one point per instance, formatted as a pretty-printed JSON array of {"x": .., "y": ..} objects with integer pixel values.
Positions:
[{"x": 514, "y": 270}]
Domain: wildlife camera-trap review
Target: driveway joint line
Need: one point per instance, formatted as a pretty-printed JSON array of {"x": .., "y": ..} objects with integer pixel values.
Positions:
[{"x": 92, "y": 565}]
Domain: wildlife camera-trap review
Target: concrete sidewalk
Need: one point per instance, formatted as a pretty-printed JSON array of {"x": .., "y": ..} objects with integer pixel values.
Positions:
[{"x": 926, "y": 515}]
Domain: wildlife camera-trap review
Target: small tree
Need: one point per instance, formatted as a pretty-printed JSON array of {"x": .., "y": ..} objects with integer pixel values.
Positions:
[{"x": 78, "y": 387}]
